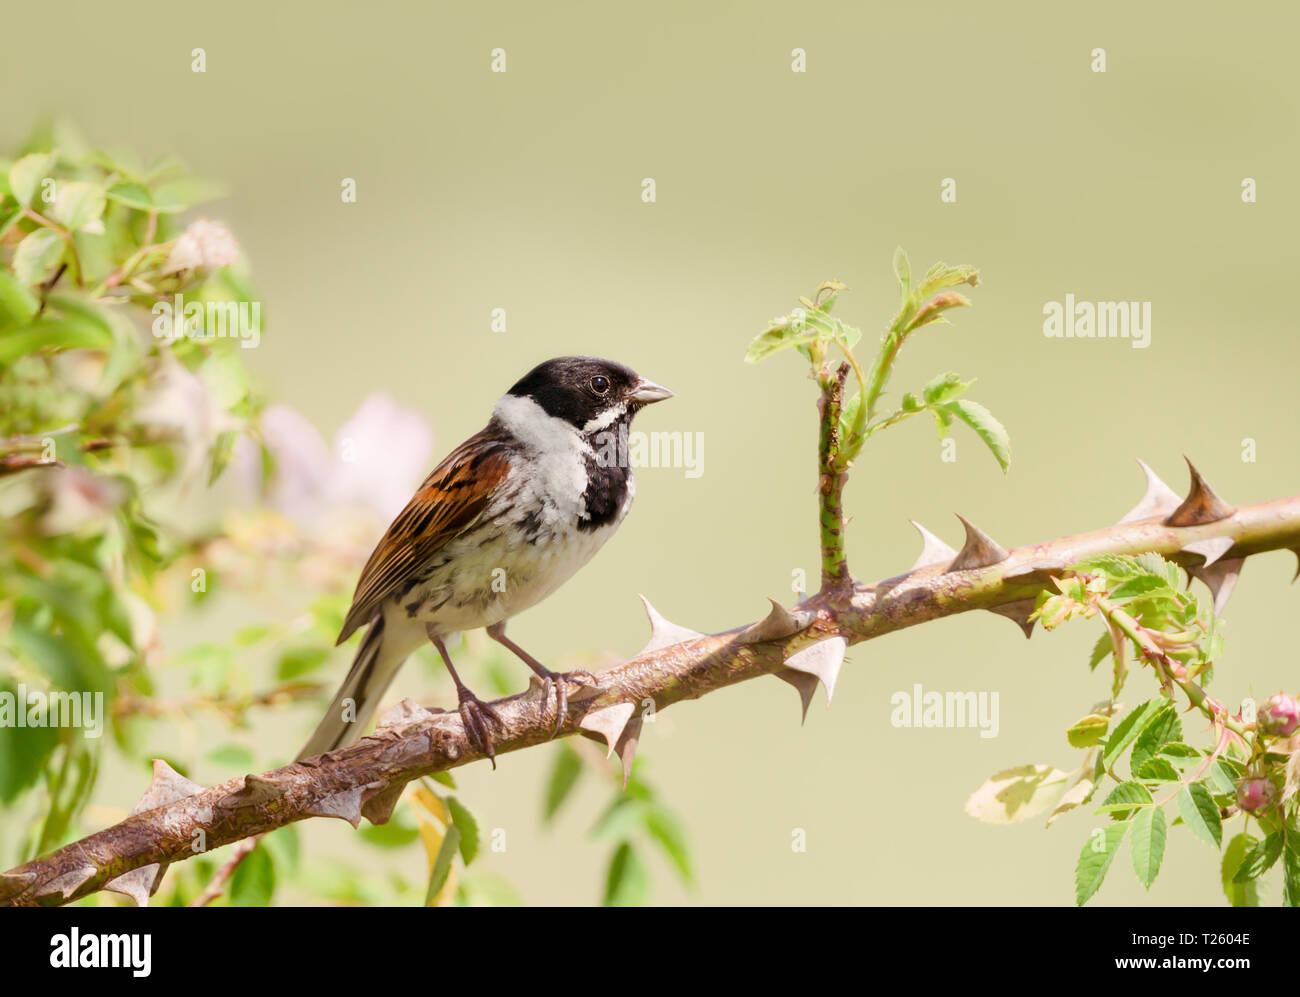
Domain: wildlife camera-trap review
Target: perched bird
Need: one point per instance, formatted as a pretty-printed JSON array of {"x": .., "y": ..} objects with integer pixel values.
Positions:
[{"x": 500, "y": 524}]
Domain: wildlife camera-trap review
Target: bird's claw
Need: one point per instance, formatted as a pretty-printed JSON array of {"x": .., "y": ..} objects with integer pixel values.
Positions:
[
  {"x": 560, "y": 681},
  {"x": 475, "y": 714}
]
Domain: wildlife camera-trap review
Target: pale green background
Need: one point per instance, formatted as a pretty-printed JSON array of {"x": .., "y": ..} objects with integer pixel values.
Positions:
[{"x": 522, "y": 191}]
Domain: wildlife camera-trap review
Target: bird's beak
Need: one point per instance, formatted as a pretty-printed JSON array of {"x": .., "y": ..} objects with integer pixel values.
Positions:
[{"x": 646, "y": 392}]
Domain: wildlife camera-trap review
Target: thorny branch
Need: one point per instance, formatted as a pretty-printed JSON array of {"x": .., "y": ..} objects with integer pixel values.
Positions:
[{"x": 177, "y": 819}]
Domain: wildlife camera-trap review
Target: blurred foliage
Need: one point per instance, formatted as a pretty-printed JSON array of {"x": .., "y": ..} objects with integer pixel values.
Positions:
[
  {"x": 115, "y": 424},
  {"x": 1245, "y": 768}
]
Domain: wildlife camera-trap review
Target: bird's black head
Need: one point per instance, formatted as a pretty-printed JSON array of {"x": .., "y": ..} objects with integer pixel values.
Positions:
[{"x": 588, "y": 392}]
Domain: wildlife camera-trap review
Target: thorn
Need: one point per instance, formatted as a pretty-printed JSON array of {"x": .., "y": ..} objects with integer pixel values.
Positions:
[
  {"x": 346, "y": 804},
  {"x": 933, "y": 550},
  {"x": 778, "y": 623},
  {"x": 1159, "y": 500},
  {"x": 1211, "y": 549},
  {"x": 379, "y": 807},
  {"x": 64, "y": 886},
  {"x": 1018, "y": 612},
  {"x": 627, "y": 745},
  {"x": 166, "y": 786},
  {"x": 822, "y": 660},
  {"x": 1221, "y": 577},
  {"x": 138, "y": 884},
  {"x": 664, "y": 633},
  {"x": 255, "y": 792},
  {"x": 1296, "y": 552},
  {"x": 1040, "y": 567},
  {"x": 609, "y": 723},
  {"x": 14, "y": 883},
  {"x": 804, "y": 683},
  {"x": 407, "y": 711},
  {"x": 1201, "y": 505},
  {"x": 979, "y": 551}
]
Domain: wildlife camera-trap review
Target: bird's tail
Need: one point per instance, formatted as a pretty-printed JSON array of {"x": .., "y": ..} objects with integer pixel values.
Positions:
[{"x": 376, "y": 663}]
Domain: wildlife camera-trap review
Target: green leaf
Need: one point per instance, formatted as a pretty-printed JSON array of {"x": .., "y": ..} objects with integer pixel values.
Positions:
[
  {"x": 1088, "y": 731},
  {"x": 987, "y": 428},
  {"x": 664, "y": 827},
  {"x": 941, "y": 275},
  {"x": 1160, "y": 730},
  {"x": 254, "y": 880},
  {"x": 1259, "y": 859},
  {"x": 1238, "y": 894},
  {"x": 627, "y": 883},
  {"x": 9, "y": 221},
  {"x": 1291, "y": 870},
  {"x": 1147, "y": 844},
  {"x": 773, "y": 341},
  {"x": 17, "y": 304},
  {"x": 27, "y": 173},
  {"x": 625, "y": 816},
  {"x": 903, "y": 270},
  {"x": 67, "y": 663},
  {"x": 396, "y": 832},
  {"x": 77, "y": 204},
  {"x": 468, "y": 826},
  {"x": 564, "y": 776},
  {"x": 1157, "y": 770},
  {"x": 132, "y": 194},
  {"x": 1095, "y": 859},
  {"x": 942, "y": 421},
  {"x": 1127, "y": 730},
  {"x": 1112, "y": 565},
  {"x": 37, "y": 256},
  {"x": 442, "y": 864},
  {"x": 23, "y": 752},
  {"x": 944, "y": 388},
  {"x": 183, "y": 193},
  {"x": 932, "y": 310},
  {"x": 285, "y": 850},
  {"x": 1222, "y": 776},
  {"x": 443, "y": 778},
  {"x": 1141, "y": 585},
  {"x": 1100, "y": 651},
  {"x": 299, "y": 661},
  {"x": 1201, "y": 814},
  {"x": 234, "y": 756},
  {"x": 1120, "y": 802}
]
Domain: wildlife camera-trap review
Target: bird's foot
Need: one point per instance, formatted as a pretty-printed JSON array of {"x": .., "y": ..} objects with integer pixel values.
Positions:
[
  {"x": 475, "y": 714},
  {"x": 559, "y": 683}
]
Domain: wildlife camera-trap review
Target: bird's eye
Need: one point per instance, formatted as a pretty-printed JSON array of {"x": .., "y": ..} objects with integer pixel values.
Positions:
[{"x": 600, "y": 384}]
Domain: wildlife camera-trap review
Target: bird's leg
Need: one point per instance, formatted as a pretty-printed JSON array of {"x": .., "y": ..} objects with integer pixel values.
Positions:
[
  {"x": 549, "y": 678},
  {"x": 474, "y": 713}
]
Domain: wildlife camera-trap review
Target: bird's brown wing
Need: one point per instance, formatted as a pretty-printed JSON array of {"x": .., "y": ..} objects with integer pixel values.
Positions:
[{"x": 451, "y": 498}]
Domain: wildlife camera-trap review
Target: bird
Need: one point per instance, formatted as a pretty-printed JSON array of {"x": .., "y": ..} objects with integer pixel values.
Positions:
[{"x": 503, "y": 521}]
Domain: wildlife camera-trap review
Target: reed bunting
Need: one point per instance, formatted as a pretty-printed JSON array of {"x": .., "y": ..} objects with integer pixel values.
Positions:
[{"x": 500, "y": 524}]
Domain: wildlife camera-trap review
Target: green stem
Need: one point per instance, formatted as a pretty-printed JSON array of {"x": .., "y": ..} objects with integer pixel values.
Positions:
[
  {"x": 830, "y": 484},
  {"x": 1135, "y": 632}
]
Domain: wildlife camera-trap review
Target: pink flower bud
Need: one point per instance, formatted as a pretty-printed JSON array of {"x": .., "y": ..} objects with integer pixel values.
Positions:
[
  {"x": 204, "y": 244},
  {"x": 1255, "y": 793},
  {"x": 1280, "y": 716}
]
